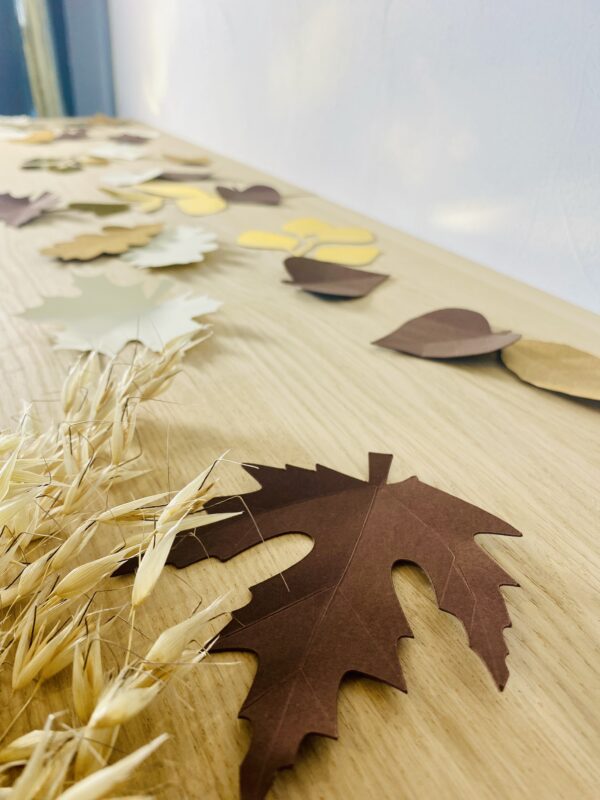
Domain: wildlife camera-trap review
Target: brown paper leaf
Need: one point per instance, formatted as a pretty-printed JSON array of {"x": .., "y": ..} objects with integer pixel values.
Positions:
[
  {"x": 556, "y": 367},
  {"x": 188, "y": 161},
  {"x": 100, "y": 209},
  {"x": 17, "y": 211},
  {"x": 112, "y": 241},
  {"x": 103, "y": 119},
  {"x": 334, "y": 280},
  {"x": 262, "y": 195},
  {"x": 184, "y": 177},
  {"x": 130, "y": 138},
  {"x": 336, "y": 611},
  {"x": 447, "y": 333},
  {"x": 72, "y": 134}
]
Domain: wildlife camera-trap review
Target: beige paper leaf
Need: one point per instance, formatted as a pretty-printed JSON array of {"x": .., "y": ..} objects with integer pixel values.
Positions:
[
  {"x": 309, "y": 227},
  {"x": 264, "y": 240},
  {"x": 174, "y": 246},
  {"x": 105, "y": 316},
  {"x": 121, "y": 152},
  {"x": 190, "y": 161},
  {"x": 113, "y": 240},
  {"x": 556, "y": 367},
  {"x": 38, "y": 137},
  {"x": 353, "y": 256},
  {"x": 145, "y": 203}
]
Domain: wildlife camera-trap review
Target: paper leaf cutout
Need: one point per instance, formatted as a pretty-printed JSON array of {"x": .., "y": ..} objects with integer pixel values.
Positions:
[
  {"x": 143, "y": 202},
  {"x": 447, "y": 333},
  {"x": 63, "y": 164},
  {"x": 336, "y": 611},
  {"x": 263, "y": 195},
  {"x": 122, "y": 152},
  {"x": 346, "y": 254},
  {"x": 100, "y": 209},
  {"x": 188, "y": 161},
  {"x": 105, "y": 317},
  {"x": 72, "y": 134},
  {"x": 113, "y": 240},
  {"x": 191, "y": 200},
  {"x": 130, "y": 138},
  {"x": 179, "y": 245},
  {"x": 103, "y": 119},
  {"x": 183, "y": 177},
  {"x": 324, "y": 278},
  {"x": 38, "y": 137},
  {"x": 556, "y": 367},
  {"x": 16, "y": 211},
  {"x": 264, "y": 240},
  {"x": 308, "y": 233},
  {"x": 309, "y": 227},
  {"x": 116, "y": 180}
]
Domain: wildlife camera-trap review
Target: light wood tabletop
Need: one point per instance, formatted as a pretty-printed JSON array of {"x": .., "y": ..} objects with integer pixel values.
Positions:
[{"x": 288, "y": 377}]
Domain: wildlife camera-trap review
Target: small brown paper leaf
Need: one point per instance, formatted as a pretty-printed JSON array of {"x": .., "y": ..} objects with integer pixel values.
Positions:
[
  {"x": 130, "y": 138},
  {"x": 71, "y": 134},
  {"x": 334, "y": 280},
  {"x": 556, "y": 367},
  {"x": 100, "y": 209},
  {"x": 112, "y": 241},
  {"x": 263, "y": 195},
  {"x": 17, "y": 211},
  {"x": 447, "y": 333},
  {"x": 184, "y": 177}
]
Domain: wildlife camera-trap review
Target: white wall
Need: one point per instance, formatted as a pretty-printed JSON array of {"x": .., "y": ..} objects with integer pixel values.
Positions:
[{"x": 474, "y": 124}]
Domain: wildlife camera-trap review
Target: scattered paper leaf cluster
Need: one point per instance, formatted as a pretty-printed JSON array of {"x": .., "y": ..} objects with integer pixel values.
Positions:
[
  {"x": 150, "y": 195},
  {"x": 17, "y": 211},
  {"x": 113, "y": 240},
  {"x": 60, "y": 540},
  {"x": 320, "y": 240},
  {"x": 104, "y": 316},
  {"x": 450, "y": 333},
  {"x": 73, "y": 164},
  {"x": 336, "y": 611},
  {"x": 174, "y": 246}
]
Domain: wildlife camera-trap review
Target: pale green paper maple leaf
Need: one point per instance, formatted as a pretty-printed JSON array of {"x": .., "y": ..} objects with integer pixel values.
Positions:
[{"x": 105, "y": 316}]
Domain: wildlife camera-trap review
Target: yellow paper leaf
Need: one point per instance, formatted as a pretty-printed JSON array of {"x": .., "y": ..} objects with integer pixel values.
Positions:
[
  {"x": 145, "y": 202},
  {"x": 113, "y": 240},
  {"x": 264, "y": 240},
  {"x": 309, "y": 226},
  {"x": 201, "y": 204},
  {"x": 169, "y": 189},
  {"x": 348, "y": 255},
  {"x": 556, "y": 367},
  {"x": 38, "y": 137}
]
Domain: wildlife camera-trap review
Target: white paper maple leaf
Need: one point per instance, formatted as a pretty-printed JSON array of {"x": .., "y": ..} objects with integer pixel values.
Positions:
[
  {"x": 112, "y": 150},
  {"x": 105, "y": 315},
  {"x": 181, "y": 244},
  {"x": 119, "y": 179}
]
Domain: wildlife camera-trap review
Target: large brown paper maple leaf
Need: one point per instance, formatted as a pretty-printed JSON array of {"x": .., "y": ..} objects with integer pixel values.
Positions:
[{"x": 337, "y": 611}]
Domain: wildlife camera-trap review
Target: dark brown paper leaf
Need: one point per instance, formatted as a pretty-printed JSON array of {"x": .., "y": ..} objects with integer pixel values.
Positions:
[
  {"x": 556, "y": 367},
  {"x": 447, "y": 333},
  {"x": 17, "y": 211},
  {"x": 334, "y": 280},
  {"x": 184, "y": 177},
  {"x": 336, "y": 611},
  {"x": 100, "y": 209},
  {"x": 263, "y": 195}
]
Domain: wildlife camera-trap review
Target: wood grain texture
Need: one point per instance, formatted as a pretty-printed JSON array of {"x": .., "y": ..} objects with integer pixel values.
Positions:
[{"x": 289, "y": 377}]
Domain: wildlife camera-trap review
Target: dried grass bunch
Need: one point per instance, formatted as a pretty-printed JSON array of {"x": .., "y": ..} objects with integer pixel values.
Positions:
[{"x": 54, "y": 485}]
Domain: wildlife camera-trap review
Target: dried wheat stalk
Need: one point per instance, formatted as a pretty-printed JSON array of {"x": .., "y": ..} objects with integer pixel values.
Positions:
[{"x": 53, "y": 489}]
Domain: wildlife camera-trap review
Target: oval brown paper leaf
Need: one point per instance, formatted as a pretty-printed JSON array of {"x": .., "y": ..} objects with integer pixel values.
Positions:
[
  {"x": 333, "y": 280},
  {"x": 264, "y": 195},
  {"x": 447, "y": 333},
  {"x": 557, "y": 367}
]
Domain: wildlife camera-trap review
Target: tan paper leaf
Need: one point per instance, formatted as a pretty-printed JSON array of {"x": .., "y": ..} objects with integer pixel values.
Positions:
[
  {"x": 113, "y": 240},
  {"x": 38, "y": 137},
  {"x": 557, "y": 367},
  {"x": 105, "y": 316},
  {"x": 100, "y": 209},
  {"x": 181, "y": 244}
]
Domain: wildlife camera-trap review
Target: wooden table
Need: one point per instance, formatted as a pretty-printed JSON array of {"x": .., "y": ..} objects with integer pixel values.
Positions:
[{"x": 290, "y": 378}]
